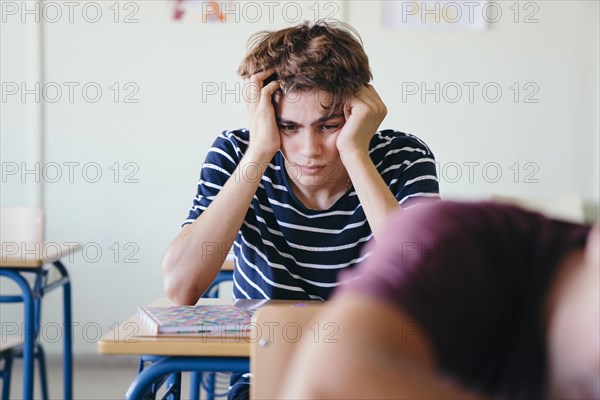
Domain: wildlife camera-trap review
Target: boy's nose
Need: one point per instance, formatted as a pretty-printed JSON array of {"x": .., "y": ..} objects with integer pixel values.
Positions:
[{"x": 311, "y": 146}]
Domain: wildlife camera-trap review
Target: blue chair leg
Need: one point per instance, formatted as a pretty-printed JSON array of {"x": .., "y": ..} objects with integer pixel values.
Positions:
[
  {"x": 68, "y": 344},
  {"x": 210, "y": 385},
  {"x": 38, "y": 352},
  {"x": 6, "y": 372},
  {"x": 68, "y": 333},
  {"x": 151, "y": 395},
  {"x": 30, "y": 333},
  {"x": 195, "y": 382},
  {"x": 173, "y": 387},
  {"x": 172, "y": 382},
  {"x": 141, "y": 365},
  {"x": 42, "y": 367}
]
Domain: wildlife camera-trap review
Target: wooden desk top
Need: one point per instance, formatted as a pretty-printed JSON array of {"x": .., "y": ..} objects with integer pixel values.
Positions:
[
  {"x": 34, "y": 255},
  {"x": 9, "y": 342},
  {"x": 133, "y": 337}
]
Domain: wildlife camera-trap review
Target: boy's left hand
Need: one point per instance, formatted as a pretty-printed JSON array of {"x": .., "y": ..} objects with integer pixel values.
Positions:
[{"x": 364, "y": 113}]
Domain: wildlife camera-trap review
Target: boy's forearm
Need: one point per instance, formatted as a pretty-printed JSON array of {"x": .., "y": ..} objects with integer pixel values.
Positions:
[
  {"x": 375, "y": 197},
  {"x": 194, "y": 258}
]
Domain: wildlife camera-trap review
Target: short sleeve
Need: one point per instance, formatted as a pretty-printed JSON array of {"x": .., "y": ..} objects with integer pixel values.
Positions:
[
  {"x": 221, "y": 160},
  {"x": 408, "y": 167}
]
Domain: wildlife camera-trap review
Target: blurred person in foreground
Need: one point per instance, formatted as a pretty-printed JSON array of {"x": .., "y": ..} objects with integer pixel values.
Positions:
[{"x": 463, "y": 300}]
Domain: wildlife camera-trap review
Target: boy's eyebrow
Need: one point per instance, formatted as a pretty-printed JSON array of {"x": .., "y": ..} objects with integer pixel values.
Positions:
[{"x": 324, "y": 118}]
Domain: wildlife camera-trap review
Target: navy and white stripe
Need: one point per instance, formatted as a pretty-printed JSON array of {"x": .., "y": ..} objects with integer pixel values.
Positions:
[{"x": 287, "y": 251}]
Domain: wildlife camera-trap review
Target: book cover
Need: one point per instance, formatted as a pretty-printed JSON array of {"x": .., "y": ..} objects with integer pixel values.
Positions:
[{"x": 203, "y": 319}]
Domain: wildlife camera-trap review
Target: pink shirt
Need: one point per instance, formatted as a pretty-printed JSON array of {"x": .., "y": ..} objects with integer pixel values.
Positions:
[{"x": 474, "y": 277}]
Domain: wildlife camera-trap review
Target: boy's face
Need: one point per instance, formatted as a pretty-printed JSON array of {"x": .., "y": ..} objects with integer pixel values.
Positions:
[{"x": 308, "y": 139}]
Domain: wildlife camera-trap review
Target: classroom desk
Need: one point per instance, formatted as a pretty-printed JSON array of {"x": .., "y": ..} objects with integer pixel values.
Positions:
[
  {"x": 182, "y": 354},
  {"x": 16, "y": 262}
]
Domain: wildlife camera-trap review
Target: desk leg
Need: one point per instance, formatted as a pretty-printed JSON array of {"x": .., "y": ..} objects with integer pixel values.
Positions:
[
  {"x": 210, "y": 386},
  {"x": 168, "y": 365},
  {"x": 8, "y": 358},
  {"x": 68, "y": 338},
  {"x": 195, "y": 385},
  {"x": 29, "y": 306}
]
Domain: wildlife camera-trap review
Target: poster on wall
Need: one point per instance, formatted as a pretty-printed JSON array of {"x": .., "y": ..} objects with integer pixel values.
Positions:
[
  {"x": 230, "y": 11},
  {"x": 200, "y": 10},
  {"x": 439, "y": 15}
]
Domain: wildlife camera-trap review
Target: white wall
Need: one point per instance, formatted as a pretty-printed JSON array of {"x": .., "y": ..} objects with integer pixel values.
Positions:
[
  {"x": 559, "y": 55},
  {"x": 165, "y": 135},
  {"x": 20, "y": 119}
]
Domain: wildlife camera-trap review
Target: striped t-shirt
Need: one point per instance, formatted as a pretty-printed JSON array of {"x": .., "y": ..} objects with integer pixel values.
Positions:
[{"x": 284, "y": 250}]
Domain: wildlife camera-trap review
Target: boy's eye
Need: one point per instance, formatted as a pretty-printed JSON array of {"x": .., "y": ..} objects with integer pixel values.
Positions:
[
  {"x": 330, "y": 127},
  {"x": 287, "y": 128}
]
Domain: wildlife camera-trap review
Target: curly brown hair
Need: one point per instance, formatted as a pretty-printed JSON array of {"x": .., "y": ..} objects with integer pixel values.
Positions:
[{"x": 323, "y": 55}]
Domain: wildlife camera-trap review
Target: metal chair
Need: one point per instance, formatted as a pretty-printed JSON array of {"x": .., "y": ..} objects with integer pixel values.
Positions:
[
  {"x": 21, "y": 235},
  {"x": 6, "y": 356}
]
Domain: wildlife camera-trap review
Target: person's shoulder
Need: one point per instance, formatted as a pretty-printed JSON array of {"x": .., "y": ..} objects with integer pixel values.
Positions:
[
  {"x": 233, "y": 142},
  {"x": 394, "y": 139},
  {"x": 236, "y": 136},
  {"x": 454, "y": 210},
  {"x": 472, "y": 216}
]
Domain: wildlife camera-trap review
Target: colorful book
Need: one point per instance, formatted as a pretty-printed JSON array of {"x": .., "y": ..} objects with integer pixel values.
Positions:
[{"x": 200, "y": 319}]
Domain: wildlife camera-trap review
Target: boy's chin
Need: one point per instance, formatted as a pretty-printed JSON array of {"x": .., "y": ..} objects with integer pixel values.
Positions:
[{"x": 311, "y": 183}]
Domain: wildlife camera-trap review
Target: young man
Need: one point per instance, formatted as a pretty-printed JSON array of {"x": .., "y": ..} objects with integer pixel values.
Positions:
[
  {"x": 308, "y": 184},
  {"x": 464, "y": 301}
]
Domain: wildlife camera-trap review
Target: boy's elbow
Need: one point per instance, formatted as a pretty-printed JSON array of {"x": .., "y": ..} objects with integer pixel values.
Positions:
[
  {"x": 179, "y": 294},
  {"x": 178, "y": 290},
  {"x": 181, "y": 299}
]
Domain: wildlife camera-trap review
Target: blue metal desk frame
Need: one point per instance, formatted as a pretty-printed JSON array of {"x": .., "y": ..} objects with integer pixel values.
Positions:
[
  {"x": 31, "y": 299},
  {"x": 150, "y": 382},
  {"x": 142, "y": 385}
]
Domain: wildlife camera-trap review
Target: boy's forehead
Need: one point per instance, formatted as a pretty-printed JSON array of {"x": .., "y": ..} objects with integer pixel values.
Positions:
[
  {"x": 315, "y": 101},
  {"x": 316, "y": 96}
]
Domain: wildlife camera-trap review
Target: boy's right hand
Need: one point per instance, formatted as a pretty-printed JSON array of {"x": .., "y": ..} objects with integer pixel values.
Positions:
[{"x": 264, "y": 132}]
